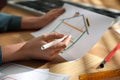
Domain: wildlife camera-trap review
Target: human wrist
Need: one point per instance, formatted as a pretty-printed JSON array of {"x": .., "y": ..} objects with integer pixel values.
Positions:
[
  {"x": 12, "y": 53},
  {"x": 29, "y": 23}
]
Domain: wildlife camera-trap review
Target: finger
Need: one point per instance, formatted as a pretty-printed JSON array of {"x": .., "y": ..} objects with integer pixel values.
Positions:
[
  {"x": 56, "y": 53},
  {"x": 57, "y": 47},
  {"x": 52, "y": 36},
  {"x": 55, "y": 13},
  {"x": 67, "y": 40},
  {"x": 60, "y": 10},
  {"x": 62, "y": 44},
  {"x": 57, "y": 10}
]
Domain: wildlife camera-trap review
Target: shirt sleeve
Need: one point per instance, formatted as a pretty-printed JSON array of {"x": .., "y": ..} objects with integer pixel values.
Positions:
[
  {"x": 0, "y": 56},
  {"x": 9, "y": 22}
]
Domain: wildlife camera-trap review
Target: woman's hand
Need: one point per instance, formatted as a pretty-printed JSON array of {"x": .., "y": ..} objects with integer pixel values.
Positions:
[
  {"x": 32, "y": 49},
  {"x": 42, "y": 21}
]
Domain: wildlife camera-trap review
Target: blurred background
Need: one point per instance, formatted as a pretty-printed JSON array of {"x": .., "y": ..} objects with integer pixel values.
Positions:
[{"x": 106, "y": 7}]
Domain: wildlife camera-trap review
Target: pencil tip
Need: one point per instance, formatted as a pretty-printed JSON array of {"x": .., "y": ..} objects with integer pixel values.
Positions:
[{"x": 101, "y": 65}]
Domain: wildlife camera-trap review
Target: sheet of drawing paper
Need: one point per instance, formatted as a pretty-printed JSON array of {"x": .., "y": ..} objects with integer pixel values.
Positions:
[
  {"x": 81, "y": 41},
  {"x": 12, "y": 68},
  {"x": 36, "y": 75}
]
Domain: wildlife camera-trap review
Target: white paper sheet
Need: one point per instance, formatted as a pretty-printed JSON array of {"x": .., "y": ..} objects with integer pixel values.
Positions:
[
  {"x": 36, "y": 75},
  {"x": 98, "y": 25},
  {"x": 12, "y": 68}
]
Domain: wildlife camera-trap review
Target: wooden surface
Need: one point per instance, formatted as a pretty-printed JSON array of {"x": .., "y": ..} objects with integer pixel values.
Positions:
[
  {"x": 87, "y": 64},
  {"x": 114, "y": 4}
]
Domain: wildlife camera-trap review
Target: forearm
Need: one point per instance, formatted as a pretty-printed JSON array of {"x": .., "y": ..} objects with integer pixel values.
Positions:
[
  {"x": 12, "y": 53},
  {"x": 29, "y": 23},
  {"x": 41, "y": 21},
  {"x": 35, "y": 22}
]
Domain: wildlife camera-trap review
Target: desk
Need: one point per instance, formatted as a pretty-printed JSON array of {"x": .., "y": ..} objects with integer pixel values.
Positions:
[{"x": 86, "y": 64}]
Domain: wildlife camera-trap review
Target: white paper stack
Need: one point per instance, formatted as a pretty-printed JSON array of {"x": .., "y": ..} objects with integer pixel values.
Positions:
[
  {"x": 36, "y": 75},
  {"x": 20, "y": 72}
]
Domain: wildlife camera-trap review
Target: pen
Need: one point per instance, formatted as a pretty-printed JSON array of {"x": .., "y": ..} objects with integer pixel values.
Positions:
[
  {"x": 45, "y": 46},
  {"x": 109, "y": 56}
]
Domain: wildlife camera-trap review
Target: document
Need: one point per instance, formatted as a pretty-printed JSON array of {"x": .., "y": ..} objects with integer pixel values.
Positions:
[
  {"x": 13, "y": 68},
  {"x": 86, "y": 28},
  {"x": 20, "y": 72},
  {"x": 36, "y": 75}
]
